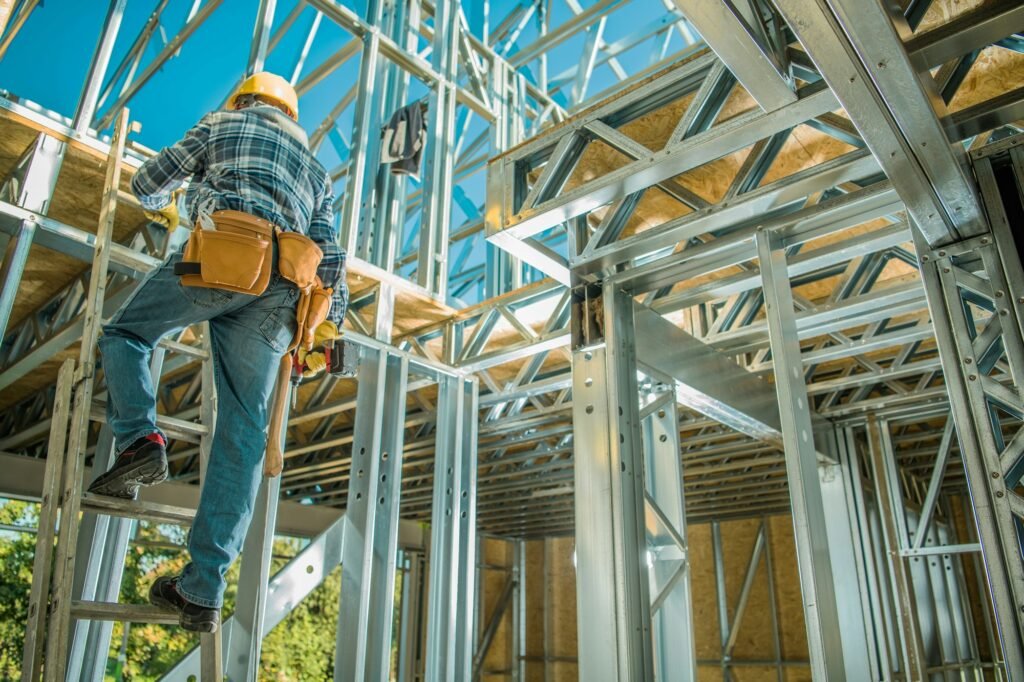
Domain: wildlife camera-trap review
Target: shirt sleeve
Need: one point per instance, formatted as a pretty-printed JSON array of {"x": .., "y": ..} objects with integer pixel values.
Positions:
[
  {"x": 153, "y": 183},
  {"x": 332, "y": 267}
]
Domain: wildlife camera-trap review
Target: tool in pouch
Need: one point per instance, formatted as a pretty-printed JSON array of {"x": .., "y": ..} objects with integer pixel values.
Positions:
[{"x": 236, "y": 255}]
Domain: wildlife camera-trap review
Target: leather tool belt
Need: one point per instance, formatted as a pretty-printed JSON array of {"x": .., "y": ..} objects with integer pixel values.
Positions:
[{"x": 237, "y": 256}]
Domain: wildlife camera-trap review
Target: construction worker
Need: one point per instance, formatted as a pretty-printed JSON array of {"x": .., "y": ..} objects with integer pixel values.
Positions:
[{"x": 255, "y": 159}]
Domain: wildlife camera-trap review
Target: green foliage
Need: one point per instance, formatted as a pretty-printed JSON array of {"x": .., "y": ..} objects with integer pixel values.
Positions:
[
  {"x": 152, "y": 649},
  {"x": 16, "y": 553},
  {"x": 300, "y": 648}
]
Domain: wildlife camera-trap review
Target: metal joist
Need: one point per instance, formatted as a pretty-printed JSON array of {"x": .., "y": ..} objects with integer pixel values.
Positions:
[{"x": 858, "y": 51}]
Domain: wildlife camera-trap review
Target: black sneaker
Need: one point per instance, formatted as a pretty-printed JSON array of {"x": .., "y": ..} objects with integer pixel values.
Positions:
[
  {"x": 164, "y": 594},
  {"x": 143, "y": 463}
]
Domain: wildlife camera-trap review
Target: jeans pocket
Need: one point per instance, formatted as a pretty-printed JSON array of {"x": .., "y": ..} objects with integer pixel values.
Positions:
[
  {"x": 279, "y": 328},
  {"x": 206, "y": 297}
]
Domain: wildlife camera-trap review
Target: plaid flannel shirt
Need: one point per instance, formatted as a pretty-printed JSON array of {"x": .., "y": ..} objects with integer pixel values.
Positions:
[{"x": 255, "y": 160}]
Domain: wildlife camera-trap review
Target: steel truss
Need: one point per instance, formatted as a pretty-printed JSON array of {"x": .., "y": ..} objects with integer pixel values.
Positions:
[{"x": 867, "y": 349}]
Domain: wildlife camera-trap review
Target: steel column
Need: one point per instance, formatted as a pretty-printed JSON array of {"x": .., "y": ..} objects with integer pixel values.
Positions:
[
  {"x": 890, "y": 508},
  {"x": 371, "y": 537},
  {"x": 453, "y": 533},
  {"x": 970, "y": 287},
  {"x": 810, "y": 531},
  {"x": 675, "y": 657},
  {"x": 613, "y": 599},
  {"x": 242, "y": 647}
]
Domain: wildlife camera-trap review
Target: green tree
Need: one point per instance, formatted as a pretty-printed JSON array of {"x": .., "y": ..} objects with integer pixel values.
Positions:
[
  {"x": 300, "y": 648},
  {"x": 16, "y": 553}
]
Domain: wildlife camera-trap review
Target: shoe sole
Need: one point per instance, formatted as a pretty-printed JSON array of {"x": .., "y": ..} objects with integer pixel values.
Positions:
[
  {"x": 160, "y": 602},
  {"x": 208, "y": 628},
  {"x": 144, "y": 474}
]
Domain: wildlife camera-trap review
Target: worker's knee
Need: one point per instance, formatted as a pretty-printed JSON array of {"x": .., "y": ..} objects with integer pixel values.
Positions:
[{"x": 115, "y": 335}]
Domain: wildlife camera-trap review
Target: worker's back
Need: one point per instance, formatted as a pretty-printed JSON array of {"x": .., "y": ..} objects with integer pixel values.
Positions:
[{"x": 258, "y": 161}]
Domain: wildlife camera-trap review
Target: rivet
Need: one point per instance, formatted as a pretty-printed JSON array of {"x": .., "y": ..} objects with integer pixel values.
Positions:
[
  {"x": 995, "y": 474},
  {"x": 999, "y": 294},
  {"x": 968, "y": 361},
  {"x": 1004, "y": 311},
  {"x": 984, "y": 240},
  {"x": 590, "y": 409},
  {"x": 661, "y": 413},
  {"x": 942, "y": 254},
  {"x": 999, "y": 493},
  {"x": 972, "y": 377},
  {"x": 663, "y": 438},
  {"x": 924, "y": 257},
  {"x": 945, "y": 269}
]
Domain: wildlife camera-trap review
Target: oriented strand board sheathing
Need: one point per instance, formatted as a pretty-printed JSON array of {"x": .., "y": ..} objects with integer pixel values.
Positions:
[
  {"x": 788, "y": 599},
  {"x": 754, "y": 673},
  {"x": 709, "y": 673},
  {"x": 707, "y": 641},
  {"x": 996, "y": 70},
  {"x": 943, "y": 11},
  {"x": 753, "y": 639},
  {"x": 560, "y": 582},
  {"x": 971, "y": 564},
  {"x": 495, "y": 552},
  {"x": 535, "y": 586},
  {"x": 797, "y": 674}
]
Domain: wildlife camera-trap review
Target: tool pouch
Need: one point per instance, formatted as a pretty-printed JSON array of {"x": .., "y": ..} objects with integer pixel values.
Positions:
[
  {"x": 312, "y": 309},
  {"x": 236, "y": 256},
  {"x": 298, "y": 259}
]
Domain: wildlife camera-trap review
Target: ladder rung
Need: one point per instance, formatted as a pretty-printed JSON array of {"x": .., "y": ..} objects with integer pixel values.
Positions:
[
  {"x": 173, "y": 427},
  {"x": 184, "y": 349},
  {"x": 131, "y": 613},
  {"x": 134, "y": 509}
]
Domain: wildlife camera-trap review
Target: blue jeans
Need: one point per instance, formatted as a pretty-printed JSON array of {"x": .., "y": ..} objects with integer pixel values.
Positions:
[{"x": 249, "y": 334}]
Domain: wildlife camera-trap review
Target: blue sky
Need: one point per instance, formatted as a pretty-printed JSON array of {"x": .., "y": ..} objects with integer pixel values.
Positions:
[{"x": 47, "y": 62}]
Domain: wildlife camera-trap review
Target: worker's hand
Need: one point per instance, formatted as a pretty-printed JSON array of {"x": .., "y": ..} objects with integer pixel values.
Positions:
[
  {"x": 326, "y": 331},
  {"x": 314, "y": 363},
  {"x": 168, "y": 215}
]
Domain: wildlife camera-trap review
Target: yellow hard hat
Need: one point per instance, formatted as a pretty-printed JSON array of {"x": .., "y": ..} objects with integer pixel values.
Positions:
[{"x": 271, "y": 86}]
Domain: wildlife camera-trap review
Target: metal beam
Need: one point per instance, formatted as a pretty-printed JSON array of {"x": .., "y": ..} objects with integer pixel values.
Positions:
[
  {"x": 730, "y": 35},
  {"x": 859, "y": 53}
]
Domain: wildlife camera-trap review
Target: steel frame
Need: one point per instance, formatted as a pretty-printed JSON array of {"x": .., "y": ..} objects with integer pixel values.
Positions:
[{"x": 866, "y": 350}]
